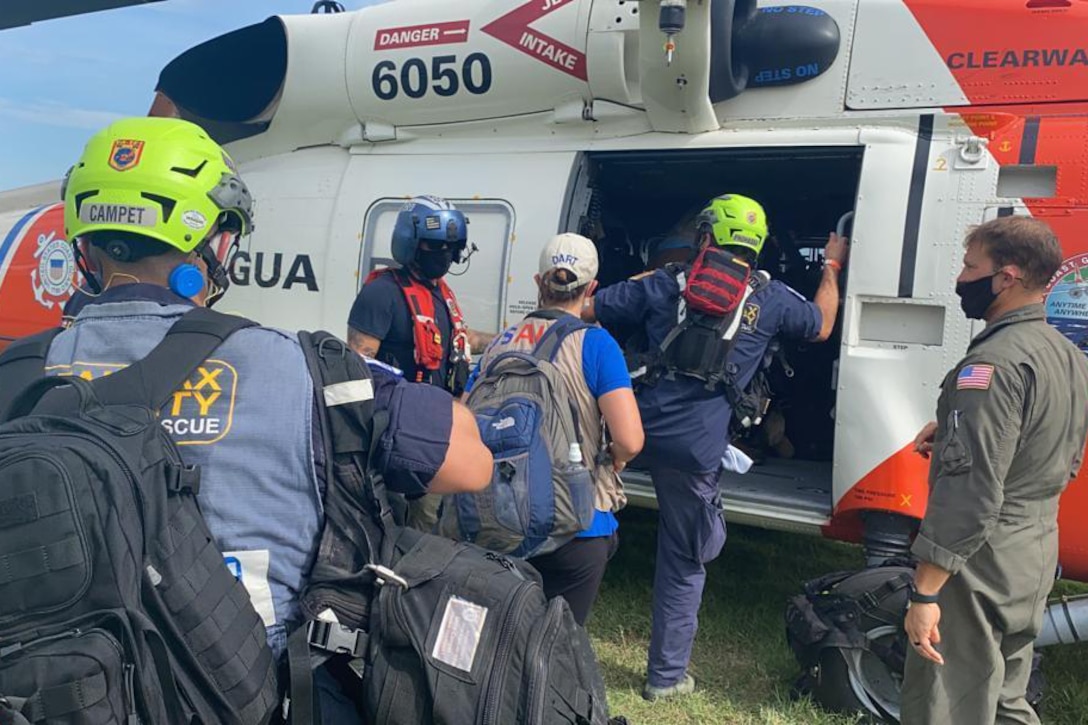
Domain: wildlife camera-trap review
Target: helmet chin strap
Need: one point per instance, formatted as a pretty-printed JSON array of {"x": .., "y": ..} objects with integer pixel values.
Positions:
[
  {"x": 97, "y": 287},
  {"x": 218, "y": 276},
  {"x": 85, "y": 270}
]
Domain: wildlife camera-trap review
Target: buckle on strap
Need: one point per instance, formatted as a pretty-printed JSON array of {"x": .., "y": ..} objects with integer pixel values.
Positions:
[
  {"x": 336, "y": 638},
  {"x": 385, "y": 575},
  {"x": 183, "y": 479}
]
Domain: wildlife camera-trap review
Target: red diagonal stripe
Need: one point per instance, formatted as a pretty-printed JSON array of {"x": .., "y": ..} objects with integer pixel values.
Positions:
[{"x": 513, "y": 29}]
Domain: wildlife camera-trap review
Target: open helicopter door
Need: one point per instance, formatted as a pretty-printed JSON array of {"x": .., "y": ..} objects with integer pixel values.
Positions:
[{"x": 898, "y": 331}]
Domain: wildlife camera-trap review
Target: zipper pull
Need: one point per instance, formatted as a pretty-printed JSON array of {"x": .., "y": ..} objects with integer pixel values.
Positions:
[
  {"x": 130, "y": 696},
  {"x": 500, "y": 560}
]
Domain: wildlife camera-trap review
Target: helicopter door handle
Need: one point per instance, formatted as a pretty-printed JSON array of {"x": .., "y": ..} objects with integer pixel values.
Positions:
[{"x": 845, "y": 219}]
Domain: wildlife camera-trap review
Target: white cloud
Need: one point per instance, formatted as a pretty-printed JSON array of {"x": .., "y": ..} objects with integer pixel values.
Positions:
[{"x": 54, "y": 113}]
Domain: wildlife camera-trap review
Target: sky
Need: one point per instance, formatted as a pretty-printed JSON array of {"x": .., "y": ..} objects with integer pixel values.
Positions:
[{"x": 61, "y": 80}]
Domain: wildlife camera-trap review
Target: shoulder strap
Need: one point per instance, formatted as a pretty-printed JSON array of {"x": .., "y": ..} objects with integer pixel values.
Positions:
[
  {"x": 376, "y": 273},
  {"x": 420, "y": 299},
  {"x": 357, "y": 535},
  {"x": 351, "y": 426},
  {"x": 300, "y": 679},
  {"x": 734, "y": 395},
  {"x": 679, "y": 270},
  {"x": 548, "y": 346},
  {"x": 547, "y": 349},
  {"x": 548, "y": 313},
  {"x": 152, "y": 380},
  {"x": 460, "y": 350},
  {"x": 23, "y": 362},
  {"x": 730, "y": 323},
  {"x": 457, "y": 319},
  {"x": 870, "y": 600}
]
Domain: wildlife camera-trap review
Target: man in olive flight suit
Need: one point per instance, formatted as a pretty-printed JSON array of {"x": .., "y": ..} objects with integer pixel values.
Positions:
[{"x": 1010, "y": 432}]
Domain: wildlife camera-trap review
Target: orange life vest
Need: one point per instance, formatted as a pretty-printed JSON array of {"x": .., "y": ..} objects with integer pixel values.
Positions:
[{"x": 426, "y": 335}]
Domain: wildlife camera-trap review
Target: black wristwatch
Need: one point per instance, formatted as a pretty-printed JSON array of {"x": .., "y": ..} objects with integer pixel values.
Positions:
[{"x": 919, "y": 598}]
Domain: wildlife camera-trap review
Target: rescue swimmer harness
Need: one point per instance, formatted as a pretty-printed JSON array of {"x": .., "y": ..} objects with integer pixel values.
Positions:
[{"x": 426, "y": 335}]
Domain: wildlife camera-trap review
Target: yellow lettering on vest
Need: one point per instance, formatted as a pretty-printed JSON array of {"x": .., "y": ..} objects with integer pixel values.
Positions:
[
  {"x": 179, "y": 396},
  {"x": 205, "y": 403},
  {"x": 207, "y": 379}
]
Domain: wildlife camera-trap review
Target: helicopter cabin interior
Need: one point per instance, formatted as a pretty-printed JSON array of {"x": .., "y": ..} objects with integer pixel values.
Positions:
[{"x": 639, "y": 207}]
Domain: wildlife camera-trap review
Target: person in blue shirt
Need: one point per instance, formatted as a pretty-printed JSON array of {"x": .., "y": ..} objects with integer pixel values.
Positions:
[
  {"x": 155, "y": 231},
  {"x": 687, "y": 424},
  {"x": 597, "y": 380}
]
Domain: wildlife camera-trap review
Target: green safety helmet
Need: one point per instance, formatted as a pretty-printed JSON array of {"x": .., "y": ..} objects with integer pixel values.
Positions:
[
  {"x": 736, "y": 221},
  {"x": 162, "y": 178}
]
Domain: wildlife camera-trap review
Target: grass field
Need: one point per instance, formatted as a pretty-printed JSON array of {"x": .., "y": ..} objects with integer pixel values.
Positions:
[{"x": 741, "y": 662}]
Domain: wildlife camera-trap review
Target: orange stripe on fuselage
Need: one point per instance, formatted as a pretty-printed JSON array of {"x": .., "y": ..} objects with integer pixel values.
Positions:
[
  {"x": 1002, "y": 51},
  {"x": 27, "y": 305}
]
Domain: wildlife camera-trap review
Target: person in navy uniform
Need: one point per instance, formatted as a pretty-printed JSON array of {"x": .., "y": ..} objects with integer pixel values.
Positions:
[
  {"x": 260, "y": 482},
  {"x": 687, "y": 424},
  {"x": 409, "y": 318}
]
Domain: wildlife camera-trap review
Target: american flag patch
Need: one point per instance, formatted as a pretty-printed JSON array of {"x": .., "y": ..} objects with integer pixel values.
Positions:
[{"x": 975, "y": 377}]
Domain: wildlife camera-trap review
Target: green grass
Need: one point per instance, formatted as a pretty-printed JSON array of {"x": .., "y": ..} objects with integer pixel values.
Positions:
[{"x": 741, "y": 662}]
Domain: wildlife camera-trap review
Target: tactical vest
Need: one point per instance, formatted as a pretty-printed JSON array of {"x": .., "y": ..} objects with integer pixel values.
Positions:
[
  {"x": 426, "y": 336},
  {"x": 698, "y": 345},
  {"x": 245, "y": 418}
]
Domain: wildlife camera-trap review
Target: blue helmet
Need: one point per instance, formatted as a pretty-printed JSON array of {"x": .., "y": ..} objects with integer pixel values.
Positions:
[{"x": 428, "y": 218}]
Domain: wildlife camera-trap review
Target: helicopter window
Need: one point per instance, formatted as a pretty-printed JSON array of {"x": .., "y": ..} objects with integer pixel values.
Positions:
[{"x": 478, "y": 279}]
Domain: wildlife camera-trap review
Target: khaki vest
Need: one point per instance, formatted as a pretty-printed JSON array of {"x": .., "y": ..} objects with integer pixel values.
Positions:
[{"x": 523, "y": 337}]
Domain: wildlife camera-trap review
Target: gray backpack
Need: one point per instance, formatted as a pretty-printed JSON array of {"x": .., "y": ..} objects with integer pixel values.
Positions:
[{"x": 541, "y": 493}]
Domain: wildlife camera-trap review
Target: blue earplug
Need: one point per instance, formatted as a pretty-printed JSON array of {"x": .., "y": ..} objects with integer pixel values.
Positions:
[{"x": 186, "y": 280}]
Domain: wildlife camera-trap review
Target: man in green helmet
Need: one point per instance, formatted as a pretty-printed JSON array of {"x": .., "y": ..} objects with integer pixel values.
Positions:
[
  {"x": 686, "y": 409},
  {"x": 154, "y": 208}
]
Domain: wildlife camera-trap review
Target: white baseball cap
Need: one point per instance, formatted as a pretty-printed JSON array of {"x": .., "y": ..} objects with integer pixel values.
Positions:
[{"x": 571, "y": 252}]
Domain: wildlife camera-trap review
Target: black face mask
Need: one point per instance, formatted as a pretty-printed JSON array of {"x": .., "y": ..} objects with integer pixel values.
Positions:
[
  {"x": 976, "y": 297},
  {"x": 434, "y": 264}
]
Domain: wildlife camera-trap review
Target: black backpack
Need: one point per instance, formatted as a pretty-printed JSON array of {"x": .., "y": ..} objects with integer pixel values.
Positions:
[
  {"x": 846, "y": 631},
  {"x": 438, "y": 631},
  {"x": 115, "y": 603},
  {"x": 714, "y": 292}
]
